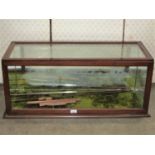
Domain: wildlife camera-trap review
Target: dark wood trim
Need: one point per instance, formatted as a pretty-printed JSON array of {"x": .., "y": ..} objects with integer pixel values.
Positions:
[
  {"x": 75, "y": 42},
  {"x": 11, "y": 116},
  {"x": 77, "y": 62},
  {"x": 148, "y": 86},
  {"x": 145, "y": 51},
  {"x": 9, "y": 51},
  {"x": 6, "y": 88},
  {"x": 80, "y": 112},
  {"x": 106, "y": 113}
]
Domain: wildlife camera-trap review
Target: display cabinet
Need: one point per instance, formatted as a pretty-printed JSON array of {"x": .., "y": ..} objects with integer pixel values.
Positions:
[{"x": 77, "y": 79}]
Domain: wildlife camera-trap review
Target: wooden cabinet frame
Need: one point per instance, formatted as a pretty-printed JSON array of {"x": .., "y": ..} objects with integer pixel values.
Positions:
[{"x": 45, "y": 113}]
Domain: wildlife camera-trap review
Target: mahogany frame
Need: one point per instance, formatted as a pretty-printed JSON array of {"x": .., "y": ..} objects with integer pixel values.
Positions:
[{"x": 61, "y": 113}]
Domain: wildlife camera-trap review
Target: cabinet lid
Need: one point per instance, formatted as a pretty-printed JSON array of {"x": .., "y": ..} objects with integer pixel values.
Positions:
[{"x": 77, "y": 50}]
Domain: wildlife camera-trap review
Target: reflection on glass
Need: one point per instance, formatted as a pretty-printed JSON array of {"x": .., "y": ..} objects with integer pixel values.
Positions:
[
  {"x": 77, "y": 87},
  {"x": 77, "y": 51}
]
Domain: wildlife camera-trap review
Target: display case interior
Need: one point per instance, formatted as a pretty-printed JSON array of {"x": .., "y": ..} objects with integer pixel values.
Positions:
[{"x": 77, "y": 87}]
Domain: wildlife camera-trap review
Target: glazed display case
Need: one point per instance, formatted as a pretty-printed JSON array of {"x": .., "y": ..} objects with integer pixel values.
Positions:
[{"x": 77, "y": 79}]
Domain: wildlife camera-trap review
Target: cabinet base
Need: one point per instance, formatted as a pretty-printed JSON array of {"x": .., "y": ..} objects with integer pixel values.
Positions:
[{"x": 7, "y": 116}]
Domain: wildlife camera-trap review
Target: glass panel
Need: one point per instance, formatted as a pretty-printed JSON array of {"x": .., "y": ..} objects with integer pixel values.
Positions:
[
  {"x": 77, "y": 87},
  {"x": 82, "y": 51}
]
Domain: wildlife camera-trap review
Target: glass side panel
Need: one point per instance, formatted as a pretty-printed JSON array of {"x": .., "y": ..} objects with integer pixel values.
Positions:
[
  {"x": 82, "y": 51},
  {"x": 77, "y": 87}
]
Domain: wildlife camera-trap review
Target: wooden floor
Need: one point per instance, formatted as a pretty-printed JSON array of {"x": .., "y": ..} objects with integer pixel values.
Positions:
[{"x": 100, "y": 126}]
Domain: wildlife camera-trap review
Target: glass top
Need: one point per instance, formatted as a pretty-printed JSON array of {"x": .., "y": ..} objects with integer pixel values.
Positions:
[{"x": 77, "y": 51}]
